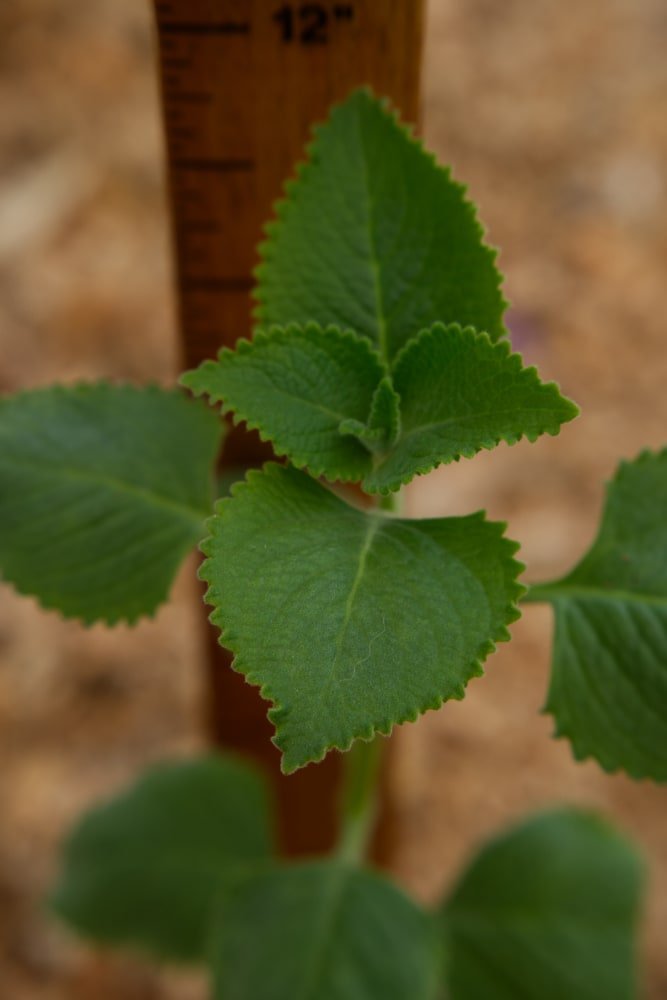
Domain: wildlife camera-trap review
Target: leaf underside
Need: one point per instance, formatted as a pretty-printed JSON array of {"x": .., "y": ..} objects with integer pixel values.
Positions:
[
  {"x": 351, "y": 622},
  {"x": 547, "y": 911},
  {"x": 322, "y": 931},
  {"x": 103, "y": 491},
  {"x": 146, "y": 869},
  {"x": 608, "y": 690},
  {"x": 376, "y": 237}
]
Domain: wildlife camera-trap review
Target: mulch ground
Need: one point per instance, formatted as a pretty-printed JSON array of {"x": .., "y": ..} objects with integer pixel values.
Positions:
[{"x": 554, "y": 116}]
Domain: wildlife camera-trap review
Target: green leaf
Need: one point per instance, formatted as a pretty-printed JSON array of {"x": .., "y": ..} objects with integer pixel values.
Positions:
[
  {"x": 375, "y": 236},
  {"x": 103, "y": 491},
  {"x": 351, "y": 622},
  {"x": 381, "y": 430},
  {"x": 608, "y": 691},
  {"x": 296, "y": 385},
  {"x": 146, "y": 869},
  {"x": 322, "y": 931},
  {"x": 548, "y": 911},
  {"x": 460, "y": 393}
]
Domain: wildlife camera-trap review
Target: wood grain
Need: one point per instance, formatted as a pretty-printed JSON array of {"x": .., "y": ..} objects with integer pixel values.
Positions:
[{"x": 242, "y": 83}]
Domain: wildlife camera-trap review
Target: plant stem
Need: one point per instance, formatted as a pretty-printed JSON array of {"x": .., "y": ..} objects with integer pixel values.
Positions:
[
  {"x": 359, "y": 795},
  {"x": 358, "y": 807},
  {"x": 392, "y": 502}
]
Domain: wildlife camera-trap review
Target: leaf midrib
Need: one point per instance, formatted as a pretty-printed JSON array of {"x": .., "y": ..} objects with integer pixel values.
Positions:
[
  {"x": 113, "y": 484},
  {"x": 371, "y": 531},
  {"x": 337, "y": 417},
  {"x": 373, "y": 256},
  {"x": 547, "y": 593},
  {"x": 339, "y": 876},
  {"x": 477, "y": 415}
]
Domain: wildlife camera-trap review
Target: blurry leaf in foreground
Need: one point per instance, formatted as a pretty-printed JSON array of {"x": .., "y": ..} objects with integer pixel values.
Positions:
[
  {"x": 145, "y": 868},
  {"x": 547, "y": 911},
  {"x": 322, "y": 931}
]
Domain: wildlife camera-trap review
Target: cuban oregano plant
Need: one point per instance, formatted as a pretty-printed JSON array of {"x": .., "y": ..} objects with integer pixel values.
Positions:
[{"x": 380, "y": 353}]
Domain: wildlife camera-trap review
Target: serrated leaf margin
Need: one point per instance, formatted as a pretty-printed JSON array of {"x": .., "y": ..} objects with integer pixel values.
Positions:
[
  {"x": 282, "y": 204},
  {"x": 228, "y": 639},
  {"x": 503, "y": 347}
]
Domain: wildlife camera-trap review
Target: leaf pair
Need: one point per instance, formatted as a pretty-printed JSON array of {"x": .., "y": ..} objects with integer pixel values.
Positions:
[
  {"x": 374, "y": 278},
  {"x": 182, "y": 865},
  {"x": 327, "y": 400}
]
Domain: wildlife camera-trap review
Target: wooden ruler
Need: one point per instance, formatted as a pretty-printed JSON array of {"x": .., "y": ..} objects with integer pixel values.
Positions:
[{"x": 242, "y": 83}]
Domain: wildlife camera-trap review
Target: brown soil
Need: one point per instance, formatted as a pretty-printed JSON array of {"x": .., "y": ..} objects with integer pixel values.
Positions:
[{"x": 555, "y": 116}]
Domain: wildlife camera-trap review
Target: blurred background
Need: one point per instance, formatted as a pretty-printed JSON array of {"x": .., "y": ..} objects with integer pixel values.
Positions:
[{"x": 555, "y": 116}]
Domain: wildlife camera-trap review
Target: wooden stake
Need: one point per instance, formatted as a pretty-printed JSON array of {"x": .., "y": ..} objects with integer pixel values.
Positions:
[{"x": 242, "y": 82}]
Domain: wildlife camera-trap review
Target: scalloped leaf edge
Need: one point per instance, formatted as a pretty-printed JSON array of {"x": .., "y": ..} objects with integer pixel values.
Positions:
[
  {"x": 111, "y": 621},
  {"x": 504, "y": 347},
  {"x": 283, "y": 203},
  {"x": 263, "y": 335},
  {"x": 228, "y": 639}
]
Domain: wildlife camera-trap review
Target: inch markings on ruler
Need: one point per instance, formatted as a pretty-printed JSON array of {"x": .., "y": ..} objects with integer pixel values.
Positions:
[
  {"x": 204, "y": 47},
  {"x": 241, "y": 283},
  {"x": 212, "y": 165},
  {"x": 203, "y": 28},
  {"x": 242, "y": 82}
]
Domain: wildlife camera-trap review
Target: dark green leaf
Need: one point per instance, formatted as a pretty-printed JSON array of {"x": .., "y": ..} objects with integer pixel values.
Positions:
[
  {"x": 608, "y": 690},
  {"x": 351, "y": 622},
  {"x": 384, "y": 423},
  {"x": 146, "y": 869},
  {"x": 296, "y": 385},
  {"x": 460, "y": 393},
  {"x": 103, "y": 491},
  {"x": 376, "y": 237},
  {"x": 323, "y": 932},
  {"x": 546, "y": 912}
]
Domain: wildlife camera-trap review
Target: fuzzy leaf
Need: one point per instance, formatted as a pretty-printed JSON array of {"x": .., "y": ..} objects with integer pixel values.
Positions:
[
  {"x": 296, "y": 385},
  {"x": 322, "y": 931},
  {"x": 349, "y": 621},
  {"x": 608, "y": 691},
  {"x": 381, "y": 430},
  {"x": 547, "y": 911},
  {"x": 375, "y": 236},
  {"x": 103, "y": 491},
  {"x": 147, "y": 868},
  {"x": 460, "y": 393}
]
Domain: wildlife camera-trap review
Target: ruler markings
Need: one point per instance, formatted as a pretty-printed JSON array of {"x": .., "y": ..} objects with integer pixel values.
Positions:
[
  {"x": 204, "y": 27},
  {"x": 242, "y": 283},
  {"x": 197, "y": 97},
  {"x": 214, "y": 165},
  {"x": 204, "y": 227},
  {"x": 177, "y": 62}
]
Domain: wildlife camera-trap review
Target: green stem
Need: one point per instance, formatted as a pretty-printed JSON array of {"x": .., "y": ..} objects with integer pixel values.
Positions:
[
  {"x": 392, "y": 502},
  {"x": 359, "y": 800},
  {"x": 361, "y": 764}
]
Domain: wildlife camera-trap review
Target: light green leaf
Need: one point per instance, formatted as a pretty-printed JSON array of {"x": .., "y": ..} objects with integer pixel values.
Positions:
[
  {"x": 460, "y": 393},
  {"x": 322, "y": 931},
  {"x": 146, "y": 869},
  {"x": 296, "y": 385},
  {"x": 381, "y": 430},
  {"x": 548, "y": 911},
  {"x": 351, "y": 622},
  {"x": 608, "y": 691},
  {"x": 375, "y": 236},
  {"x": 103, "y": 491}
]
